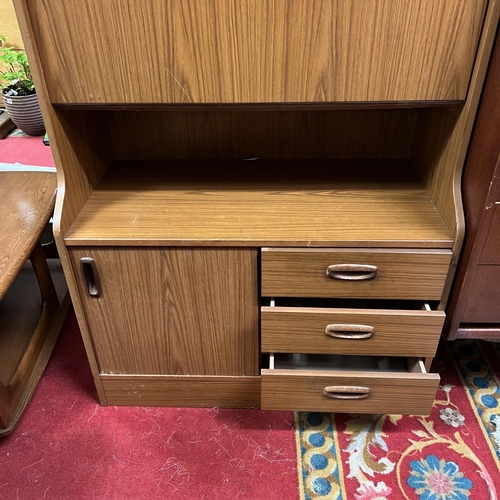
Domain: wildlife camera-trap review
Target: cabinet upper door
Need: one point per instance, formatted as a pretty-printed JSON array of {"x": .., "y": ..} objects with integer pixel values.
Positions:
[
  {"x": 256, "y": 51},
  {"x": 174, "y": 311}
]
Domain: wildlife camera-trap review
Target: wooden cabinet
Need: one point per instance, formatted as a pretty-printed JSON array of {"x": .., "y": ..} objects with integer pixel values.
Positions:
[
  {"x": 473, "y": 310},
  {"x": 229, "y": 166}
]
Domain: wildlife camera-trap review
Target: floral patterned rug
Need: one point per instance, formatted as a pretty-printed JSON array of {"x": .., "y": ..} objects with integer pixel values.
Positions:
[{"x": 454, "y": 454}]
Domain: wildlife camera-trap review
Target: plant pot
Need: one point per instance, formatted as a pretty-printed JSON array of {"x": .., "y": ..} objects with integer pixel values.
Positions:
[{"x": 25, "y": 113}]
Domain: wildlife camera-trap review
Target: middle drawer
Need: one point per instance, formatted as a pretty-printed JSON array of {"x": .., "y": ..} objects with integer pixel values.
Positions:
[{"x": 378, "y": 332}]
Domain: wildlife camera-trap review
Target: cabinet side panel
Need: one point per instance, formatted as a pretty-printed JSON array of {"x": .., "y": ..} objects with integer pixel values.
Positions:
[
  {"x": 176, "y": 311},
  {"x": 441, "y": 146},
  {"x": 78, "y": 169}
]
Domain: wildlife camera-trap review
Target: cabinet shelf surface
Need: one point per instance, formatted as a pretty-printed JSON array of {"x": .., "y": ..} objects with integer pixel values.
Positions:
[{"x": 260, "y": 203}]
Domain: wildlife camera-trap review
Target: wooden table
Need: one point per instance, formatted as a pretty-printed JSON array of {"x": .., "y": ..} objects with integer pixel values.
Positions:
[{"x": 28, "y": 326}]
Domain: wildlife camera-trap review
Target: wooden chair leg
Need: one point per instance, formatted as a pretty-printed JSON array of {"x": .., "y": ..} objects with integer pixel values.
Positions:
[
  {"x": 47, "y": 289},
  {"x": 50, "y": 304},
  {"x": 5, "y": 405}
]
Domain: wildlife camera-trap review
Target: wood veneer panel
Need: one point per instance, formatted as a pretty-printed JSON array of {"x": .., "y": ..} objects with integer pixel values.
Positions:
[
  {"x": 491, "y": 249},
  {"x": 228, "y": 51},
  {"x": 395, "y": 332},
  {"x": 302, "y": 390},
  {"x": 219, "y": 134},
  {"x": 479, "y": 331},
  {"x": 260, "y": 203},
  {"x": 402, "y": 274},
  {"x": 481, "y": 304},
  {"x": 192, "y": 391},
  {"x": 173, "y": 311}
]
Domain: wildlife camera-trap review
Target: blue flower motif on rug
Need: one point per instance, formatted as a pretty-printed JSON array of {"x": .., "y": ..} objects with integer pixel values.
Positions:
[{"x": 435, "y": 479}]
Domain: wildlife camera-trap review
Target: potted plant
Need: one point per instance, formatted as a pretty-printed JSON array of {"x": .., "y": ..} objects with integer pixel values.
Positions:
[{"x": 18, "y": 91}]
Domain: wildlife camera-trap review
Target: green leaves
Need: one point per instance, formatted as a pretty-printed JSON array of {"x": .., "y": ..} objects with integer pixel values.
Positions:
[{"x": 17, "y": 76}]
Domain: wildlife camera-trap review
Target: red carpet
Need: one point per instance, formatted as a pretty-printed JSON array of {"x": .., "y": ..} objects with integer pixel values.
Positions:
[
  {"x": 25, "y": 150},
  {"x": 68, "y": 447}
]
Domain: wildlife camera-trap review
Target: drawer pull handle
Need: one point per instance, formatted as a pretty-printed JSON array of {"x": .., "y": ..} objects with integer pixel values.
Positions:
[
  {"x": 346, "y": 392},
  {"x": 90, "y": 275},
  {"x": 354, "y": 332},
  {"x": 352, "y": 272}
]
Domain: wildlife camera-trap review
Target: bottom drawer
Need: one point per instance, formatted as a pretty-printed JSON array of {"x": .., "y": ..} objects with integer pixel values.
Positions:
[{"x": 348, "y": 384}]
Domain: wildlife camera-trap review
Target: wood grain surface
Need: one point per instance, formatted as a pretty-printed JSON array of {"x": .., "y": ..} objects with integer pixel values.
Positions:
[
  {"x": 395, "y": 332},
  {"x": 27, "y": 203},
  {"x": 390, "y": 393},
  {"x": 441, "y": 147},
  {"x": 491, "y": 249},
  {"x": 257, "y": 203},
  {"x": 219, "y": 134},
  {"x": 481, "y": 303},
  {"x": 190, "y": 391},
  {"x": 174, "y": 311},
  {"x": 402, "y": 274},
  {"x": 251, "y": 51},
  {"x": 490, "y": 332}
]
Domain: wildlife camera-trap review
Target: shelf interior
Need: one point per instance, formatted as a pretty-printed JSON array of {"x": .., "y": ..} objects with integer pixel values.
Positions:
[
  {"x": 339, "y": 363},
  {"x": 259, "y": 203}
]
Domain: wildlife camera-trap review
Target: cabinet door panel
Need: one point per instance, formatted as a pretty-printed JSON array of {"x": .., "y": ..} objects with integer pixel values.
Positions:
[
  {"x": 171, "y": 311},
  {"x": 240, "y": 51}
]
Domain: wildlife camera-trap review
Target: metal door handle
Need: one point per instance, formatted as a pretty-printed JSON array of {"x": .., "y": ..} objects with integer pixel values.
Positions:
[
  {"x": 352, "y": 272},
  {"x": 90, "y": 275},
  {"x": 346, "y": 392},
  {"x": 354, "y": 332}
]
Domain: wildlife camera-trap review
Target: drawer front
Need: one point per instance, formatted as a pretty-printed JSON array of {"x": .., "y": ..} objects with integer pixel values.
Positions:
[
  {"x": 244, "y": 51},
  {"x": 350, "y": 331},
  {"x": 389, "y": 393},
  {"x": 382, "y": 274}
]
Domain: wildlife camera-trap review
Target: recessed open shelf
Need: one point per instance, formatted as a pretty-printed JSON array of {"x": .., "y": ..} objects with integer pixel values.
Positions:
[{"x": 257, "y": 203}]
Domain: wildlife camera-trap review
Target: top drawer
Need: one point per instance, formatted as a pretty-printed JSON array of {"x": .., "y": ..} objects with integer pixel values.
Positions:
[
  {"x": 241, "y": 51},
  {"x": 354, "y": 273}
]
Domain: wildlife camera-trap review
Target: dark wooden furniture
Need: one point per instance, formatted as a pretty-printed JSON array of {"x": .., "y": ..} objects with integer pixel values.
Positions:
[
  {"x": 28, "y": 326},
  {"x": 187, "y": 261},
  {"x": 474, "y": 308}
]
